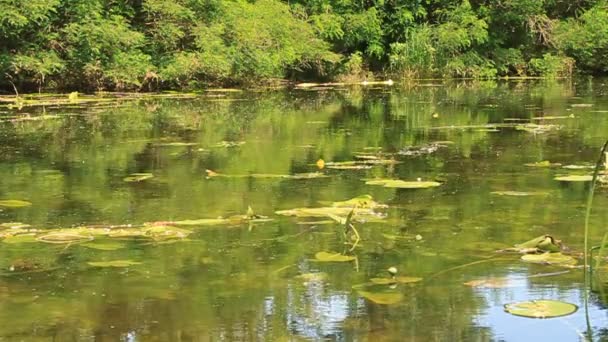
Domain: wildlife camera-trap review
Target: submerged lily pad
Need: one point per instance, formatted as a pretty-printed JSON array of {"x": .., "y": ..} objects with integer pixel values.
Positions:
[
  {"x": 114, "y": 263},
  {"x": 548, "y": 258},
  {"x": 574, "y": 178},
  {"x": 333, "y": 257},
  {"x": 384, "y": 298},
  {"x": 401, "y": 184},
  {"x": 137, "y": 177},
  {"x": 14, "y": 203},
  {"x": 541, "y": 308}
]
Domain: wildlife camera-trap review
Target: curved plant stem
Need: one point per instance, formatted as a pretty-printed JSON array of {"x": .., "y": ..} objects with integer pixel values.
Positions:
[{"x": 587, "y": 278}]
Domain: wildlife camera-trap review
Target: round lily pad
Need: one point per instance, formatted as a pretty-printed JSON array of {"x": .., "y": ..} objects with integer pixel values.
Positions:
[
  {"x": 401, "y": 184},
  {"x": 541, "y": 309},
  {"x": 61, "y": 237},
  {"x": 114, "y": 263},
  {"x": 385, "y": 298},
  {"x": 400, "y": 280},
  {"x": 575, "y": 178},
  {"x": 492, "y": 283},
  {"x": 550, "y": 259},
  {"x": 14, "y": 203},
  {"x": 333, "y": 257}
]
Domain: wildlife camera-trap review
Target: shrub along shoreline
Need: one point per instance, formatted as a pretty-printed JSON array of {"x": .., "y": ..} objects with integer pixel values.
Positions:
[{"x": 155, "y": 45}]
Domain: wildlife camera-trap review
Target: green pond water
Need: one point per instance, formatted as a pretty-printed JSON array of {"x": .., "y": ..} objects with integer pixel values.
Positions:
[{"x": 126, "y": 165}]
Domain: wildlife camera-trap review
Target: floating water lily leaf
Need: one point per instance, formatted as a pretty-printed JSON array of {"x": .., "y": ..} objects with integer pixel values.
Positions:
[
  {"x": 114, "y": 263},
  {"x": 574, "y": 178},
  {"x": 348, "y": 167},
  {"x": 229, "y": 144},
  {"x": 312, "y": 277},
  {"x": 400, "y": 280},
  {"x": 14, "y": 203},
  {"x": 493, "y": 283},
  {"x": 401, "y": 184},
  {"x": 62, "y": 237},
  {"x": 581, "y": 105},
  {"x": 23, "y": 238},
  {"x": 333, "y": 257},
  {"x": 201, "y": 222},
  {"x": 104, "y": 245},
  {"x": 519, "y": 193},
  {"x": 548, "y": 258},
  {"x": 385, "y": 298},
  {"x": 138, "y": 177},
  {"x": 175, "y": 144},
  {"x": 14, "y": 225},
  {"x": 544, "y": 242},
  {"x": 358, "y": 213},
  {"x": 579, "y": 167},
  {"x": 363, "y": 201},
  {"x": 544, "y": 163},
  {"x": 541, "y": 308}
]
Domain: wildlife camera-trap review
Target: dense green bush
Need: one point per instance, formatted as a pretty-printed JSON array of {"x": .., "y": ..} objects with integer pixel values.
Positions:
[{"x": 161, "y": 44}]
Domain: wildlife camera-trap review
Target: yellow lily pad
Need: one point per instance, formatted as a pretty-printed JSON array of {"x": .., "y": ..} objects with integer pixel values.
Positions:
[
  {"x": 333, "y": 257},
  {"x": 550, "y": 259},
  {"x": 492, "y": 283},
  {"x": 14, "y": 203},
  {"x": 384, "y": 298},
  {"x": 541, "y": 309},
  {"x": 138, "y": 177},
  {"x": 114, "y": 263},
  {"x": 401, "y": 184},
  {"x": 574, "y": 178},
  {"x": 104, "y": 246}
]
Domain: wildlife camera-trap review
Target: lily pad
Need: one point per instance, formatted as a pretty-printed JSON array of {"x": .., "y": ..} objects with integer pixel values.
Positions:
[
  {"x": 399, "y": 280},
  {"x": 541, "y": 308},
  {"x": 14, "y": 203},
  {"x": 544, "y": 163},
  {"x": 137, "y": 177},
  {"x": 492, "y": 283},
  {"x": 104, "y": 245},
  {"x": 574, "y": 178},
  {"x": 312, "y": 277},
  {"x": 384, "y": 298},
  {"x": 401, "y": 184},
  {"x": 201, "y": 222},
  {"x": 62, "y": 237},
  {"x": 14, "y": 225},
  {"x": 363, "y": 201},
  {"x": 333, "y": 257},
  {"x": 548, "y": 258},
  {"x": 114, "y": 263},
  {"x": 348, "y": 167},
  {"x": 519, "y": 193},
  {"x": 22, "y": 238},
  {"x": 545, "y": 243}
]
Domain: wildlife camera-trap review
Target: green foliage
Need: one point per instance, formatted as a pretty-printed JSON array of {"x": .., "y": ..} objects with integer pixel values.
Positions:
[{"x": 151, "y": 44}]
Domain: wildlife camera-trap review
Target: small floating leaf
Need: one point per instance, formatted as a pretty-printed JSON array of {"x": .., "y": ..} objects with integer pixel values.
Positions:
[
  {"x": 550, "y": 259},
  {"x": 114, "y": 263},
  {"x": 62, "y": 237},
  {"x": 541, "y": 308},
  {"x": 14, "y": 203},
  {"x": 104, "y": 246},
  {"x": 574, "y": 178},
  {"x": 23, "y": 238},
  {"x": 14, "y": 225},
  {"x": 333, "y": 257},
  {"x": 385, "y": 298},
  {"x": 401, "y": 184},
  {"x": 400, "y": 280},
  {"x": 201, "y": 222},
  {"x": 312, "y": 277},
  {"x": 544, "y": 163},
  {"x": 544, "y": 242},
  {"x": 349, "y": 167},
  {"x": 518, "y": 193},
  {"x": 493, "y": 283},
  {"x": 138, "y": 177}
]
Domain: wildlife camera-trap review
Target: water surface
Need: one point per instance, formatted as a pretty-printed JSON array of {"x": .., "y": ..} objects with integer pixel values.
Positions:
[{"x": 240, "y": 281}]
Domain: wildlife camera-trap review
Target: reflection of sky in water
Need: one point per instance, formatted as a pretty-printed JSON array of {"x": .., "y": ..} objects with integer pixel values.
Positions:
[
  {"x": 507, "y": 327},
  {"x": 315, "y": 313}
]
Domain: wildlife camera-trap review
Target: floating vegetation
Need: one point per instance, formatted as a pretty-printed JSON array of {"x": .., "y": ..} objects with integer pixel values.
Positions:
[
  {"x": 395, "y": 280},
  {"x": 549, "y": 117},
  {"x": 549, "y": 258},
  {"x": 14, "y": 225},
  {"x": 64, "y": 237},
  {"x": 422, "y": 149},
  {"x": 23, "y": 238},
  {"x": 519, "y": 193},
  {"x": 544, "y": 163},
  {"x": 581, "y": 105},
  {"x": 384, "y": 298},
  {"x": 541, "y": 308},
  {"x": 491, "y": 283},
  {"x": 138, "y": 177},
  {"x": 359, "y": 214},
  {"x": 543, "y": 243},
  {"x": 104, "y": 245},
  {"x": 537, "y": 128},
  {"x": 14, "y": 203},
  {"x": 364, "y": 164},
  {"x": 315, "y": 277},
  {"x": 574, "y": 178},
  {"x": 113, "y": 263},
  {"x": 229, "y": 144},
  {"x": 175, "y": 144},
  {"x": 363, "y": 201},
  {"x": 333, "y": 257},
  {"x": 401, "y": 184},
  {"x": 349, "y": 167},
  {"x": 579, "y": 167},
  {"x": 297, "y": 176}
]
